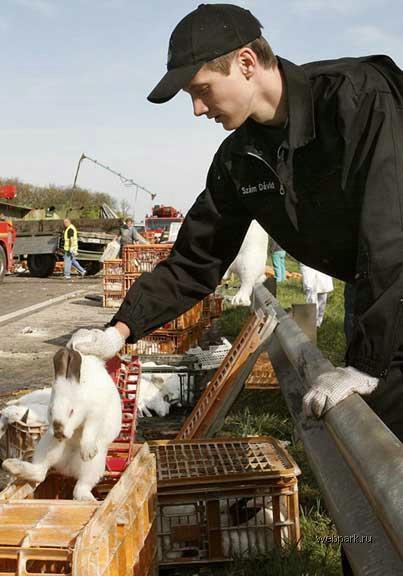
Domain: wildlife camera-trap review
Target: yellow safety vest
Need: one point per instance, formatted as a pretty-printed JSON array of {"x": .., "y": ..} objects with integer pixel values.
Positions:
[{"x": 71, "y": 242}]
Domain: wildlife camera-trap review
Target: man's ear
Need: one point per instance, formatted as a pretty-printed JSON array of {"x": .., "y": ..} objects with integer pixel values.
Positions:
[{"x": 247, "y": 61}]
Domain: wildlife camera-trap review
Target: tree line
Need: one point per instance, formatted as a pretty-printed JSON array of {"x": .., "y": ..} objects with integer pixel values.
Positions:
[{"x": 65, "y": 200}]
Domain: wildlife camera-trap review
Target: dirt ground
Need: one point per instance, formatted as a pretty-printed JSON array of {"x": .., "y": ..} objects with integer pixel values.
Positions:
[{"x": 28, "y": 344}]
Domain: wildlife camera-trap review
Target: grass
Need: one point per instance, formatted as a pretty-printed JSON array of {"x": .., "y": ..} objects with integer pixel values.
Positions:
[{"x": 260, "y": 412}]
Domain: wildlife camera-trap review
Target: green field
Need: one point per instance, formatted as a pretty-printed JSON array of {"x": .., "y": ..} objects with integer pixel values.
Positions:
[{"x": 265, "y": 413}]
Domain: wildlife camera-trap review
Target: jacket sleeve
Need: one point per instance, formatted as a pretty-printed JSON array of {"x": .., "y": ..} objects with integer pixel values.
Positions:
[
  {"x": 208, "y": 241},
  {"x": 372, "y": 126}
]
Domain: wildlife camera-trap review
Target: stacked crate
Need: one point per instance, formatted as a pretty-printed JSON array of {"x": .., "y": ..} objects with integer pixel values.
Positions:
[
  {"x": 114, "y": 283},
  {"x": 44, "y": 531},
  {"x": 176, "y": 336},
  {"x": 212, "y": 308},
  {"x": 219, "y": 499}
]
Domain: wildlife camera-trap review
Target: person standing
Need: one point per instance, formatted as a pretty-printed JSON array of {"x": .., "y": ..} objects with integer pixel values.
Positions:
[
  {"x": 129, "y": 235},
  {"x": 278, "y": 259},
  {"x": 71, "y": 250},
  {"x": 317, "y": 286}
]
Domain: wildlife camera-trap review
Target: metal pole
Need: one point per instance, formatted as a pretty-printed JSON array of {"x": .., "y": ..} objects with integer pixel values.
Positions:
[{"x": 372, "y": 451}]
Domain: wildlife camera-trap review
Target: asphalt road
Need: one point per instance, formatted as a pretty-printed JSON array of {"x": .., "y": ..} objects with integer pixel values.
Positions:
[{"x": 21, "y": 291}]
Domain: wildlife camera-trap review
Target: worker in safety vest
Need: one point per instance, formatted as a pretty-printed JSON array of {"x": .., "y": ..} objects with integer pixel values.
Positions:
[{"x": 71, "y": 250}]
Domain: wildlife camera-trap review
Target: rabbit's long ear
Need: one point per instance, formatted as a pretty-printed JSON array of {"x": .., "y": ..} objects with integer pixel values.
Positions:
[
  {"x": 74, "y": 366},
  {"x": 67, "y": 363},
  {"x": 61, "y": 362}
]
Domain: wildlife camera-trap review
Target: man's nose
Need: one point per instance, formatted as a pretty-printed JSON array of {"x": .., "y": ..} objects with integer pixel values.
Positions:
[{"x": 199, "y": 107}]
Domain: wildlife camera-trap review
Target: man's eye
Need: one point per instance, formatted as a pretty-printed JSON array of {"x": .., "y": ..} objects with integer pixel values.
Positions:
[{"x": 204, "y": 90}]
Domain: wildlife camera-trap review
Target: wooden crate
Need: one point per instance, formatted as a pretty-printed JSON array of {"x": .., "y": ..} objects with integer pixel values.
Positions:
[
  {"x": 165, "y": 342},
  {"x": 139, "y": 258},
  {"x": 44, "y": 532},
  {"x": 223, "y": 498}
]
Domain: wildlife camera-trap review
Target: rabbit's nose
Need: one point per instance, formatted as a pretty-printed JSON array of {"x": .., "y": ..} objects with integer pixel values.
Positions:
[{"x": 58, "y": 430}]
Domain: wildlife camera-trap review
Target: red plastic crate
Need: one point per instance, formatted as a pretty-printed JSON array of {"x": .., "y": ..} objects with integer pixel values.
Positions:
[{"x": 126, "y": 373}]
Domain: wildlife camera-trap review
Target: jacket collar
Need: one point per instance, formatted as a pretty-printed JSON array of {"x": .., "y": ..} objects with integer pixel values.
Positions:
[
  {"x": 300, "y": 104},
  {"x": 301, "y": 120}
]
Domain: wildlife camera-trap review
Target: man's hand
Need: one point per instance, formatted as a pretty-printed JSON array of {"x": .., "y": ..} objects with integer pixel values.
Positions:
[
  {"x": 104, "y": 344},
  {"x": 334, "y": 386}
]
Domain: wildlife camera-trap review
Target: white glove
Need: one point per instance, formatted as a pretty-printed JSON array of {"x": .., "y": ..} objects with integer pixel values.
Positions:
[
  {"x": 104, "y": 344},
  {"x": 334, "y": 386}
]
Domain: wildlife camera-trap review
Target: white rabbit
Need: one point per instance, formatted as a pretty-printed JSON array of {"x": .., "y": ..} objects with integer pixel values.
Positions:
[
  {"x": 250, "y": 263},
  {"x": 31, "y": 414},
  {"x": 85, "y": 417},
  {"x": 151, "y": 398},
  {"x": 255, "y": 534},
  {"x": 168, "y": 517},
  {"x": 41, "y": 396}
]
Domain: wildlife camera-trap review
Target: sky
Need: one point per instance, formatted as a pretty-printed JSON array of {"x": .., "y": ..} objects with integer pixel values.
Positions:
[{"x": 76, "y": 75}]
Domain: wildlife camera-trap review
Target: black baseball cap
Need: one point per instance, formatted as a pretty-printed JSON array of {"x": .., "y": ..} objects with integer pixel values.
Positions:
[{"x": 210, "y": 31}]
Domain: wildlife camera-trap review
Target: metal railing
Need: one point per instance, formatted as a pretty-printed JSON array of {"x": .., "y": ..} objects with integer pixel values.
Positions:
[{"x": 356, "y": 459}]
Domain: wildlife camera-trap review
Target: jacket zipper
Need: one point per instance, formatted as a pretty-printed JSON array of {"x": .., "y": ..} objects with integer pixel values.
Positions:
[{"x": 282, "y": 188}]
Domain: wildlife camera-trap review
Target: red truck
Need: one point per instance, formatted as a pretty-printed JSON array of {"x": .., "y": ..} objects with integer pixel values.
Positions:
[
  {"x": 160, "y": 221},
  {"x": 7, "y": 234}
]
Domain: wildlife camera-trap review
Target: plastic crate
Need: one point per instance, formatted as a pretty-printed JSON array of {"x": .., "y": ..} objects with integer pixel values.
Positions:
[
  {"x": 224, "y": 498},
  {"x": 43, "y": 531},
  {"x": 113, "y": 267},
  {"x": 138, "y": 258},
  {"x": 112, "y": 284},
  {"x": 263, "y": 376},
  {"x": 20, "y": 440},
  {"x": 130, "y": 279},
  {"x": 192, "y": 381},
  {"x": 167, "y": 342},
  {"x": 126, "y": 373},
  {"x": 113, "y": 299},
  {"x": 186, "y": 320}
]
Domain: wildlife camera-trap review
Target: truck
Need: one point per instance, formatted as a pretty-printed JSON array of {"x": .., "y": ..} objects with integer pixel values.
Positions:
[
  {"x": 157, "y": 225},
  {"x": 42, "y": 241},
  {"x": 7, "y": 234}
]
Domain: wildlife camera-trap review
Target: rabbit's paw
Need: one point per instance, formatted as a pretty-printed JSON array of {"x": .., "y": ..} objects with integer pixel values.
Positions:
[
  {"x": 82, "y": 492},
  {"x": 13, "y": 466},
  {"x": 26, "y": 470},
  {"x": 88, "y": 451}
]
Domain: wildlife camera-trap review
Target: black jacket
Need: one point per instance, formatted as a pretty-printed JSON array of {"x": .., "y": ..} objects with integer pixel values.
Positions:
[{"x": 331, "y": 194}]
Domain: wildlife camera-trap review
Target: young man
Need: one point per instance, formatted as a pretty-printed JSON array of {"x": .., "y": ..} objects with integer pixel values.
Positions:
[
  {"x": 71, "y": 250},
  {"x": 316, "y": 157},
  {"x": 129, "y": 235}
]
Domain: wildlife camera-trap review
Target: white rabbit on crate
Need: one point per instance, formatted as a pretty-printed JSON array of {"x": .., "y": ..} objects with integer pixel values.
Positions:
[
  {"x": 250, "y": 263},
  {"x": 85, "y": 416},
  {"x": 31, "y": 408}
]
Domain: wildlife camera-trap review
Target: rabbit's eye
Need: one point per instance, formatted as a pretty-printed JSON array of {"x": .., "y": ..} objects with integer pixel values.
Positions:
[{"x": 71, "y": 413}]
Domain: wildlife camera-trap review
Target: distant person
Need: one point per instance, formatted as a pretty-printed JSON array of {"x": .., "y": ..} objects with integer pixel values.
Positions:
[
  {"x": 317, "y": 286},
  {"x": 278, "y": 259},
  {"x": 71, "y": 250},
  {"x": 129, "y": 235}
]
